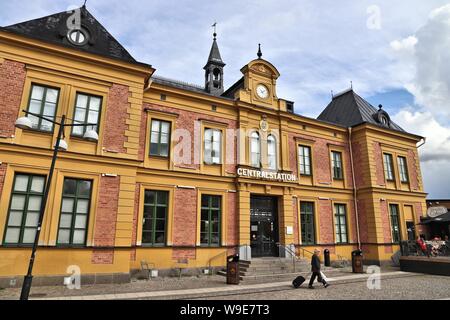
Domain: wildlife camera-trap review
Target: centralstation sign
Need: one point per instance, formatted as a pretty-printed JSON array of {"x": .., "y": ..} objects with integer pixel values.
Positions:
[{"x": 269, "y": 175}]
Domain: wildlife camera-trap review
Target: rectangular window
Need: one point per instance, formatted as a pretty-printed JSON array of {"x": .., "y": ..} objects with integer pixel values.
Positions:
[
  {"x": 340, "y": 222},
  {"x": 160, "y": 138},
  {"x": 337, "y": 165},
  {"x": 43, "y": 102},
  {"x": 213, "y": 146},
  {"x": 388, "y": 167},
  {"x": 210, "y": 220},
  {"x": 307, "y": 222},
  {"x": 87, "y": 111},
  {"x": 155, "y": 217},
  {"x": 75, "y": 207},
  {"x": 24, "y": 209},
  {"x": 304, "y": 154},
  {"x": 403, "y": 169},
  {"x": 395, "y": 224}
]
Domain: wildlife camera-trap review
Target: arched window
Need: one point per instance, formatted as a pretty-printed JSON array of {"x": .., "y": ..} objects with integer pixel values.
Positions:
[
  {"x": 272, "y": 152},
  {"x": 255, "y": 150}
]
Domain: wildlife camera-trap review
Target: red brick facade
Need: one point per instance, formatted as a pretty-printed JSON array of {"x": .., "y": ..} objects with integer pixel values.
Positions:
[
  {"x": 413, "y": 170},
  {"x": 12, "y": 80},
  {"x": 116, "y": 117},
  {"x": 321, "y": 158},
  {"x": 185, "y": 217},
  {"x": 186, "y": 120},
  {"x": 378, "y": 164},
  {"x": 105, "y": 220},
  {"x": 232, "y": 219},
  {"x": 358, "y": 165},
  {"x": 386, "y": 222},
  {"x": 326, "y": 224}
]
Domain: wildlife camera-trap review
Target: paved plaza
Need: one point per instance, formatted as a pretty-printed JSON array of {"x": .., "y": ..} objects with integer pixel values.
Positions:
[{"x": 392, "y": 284}]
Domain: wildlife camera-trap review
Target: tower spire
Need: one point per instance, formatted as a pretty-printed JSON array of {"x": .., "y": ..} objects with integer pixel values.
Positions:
[{"x": 214, "y": 68}]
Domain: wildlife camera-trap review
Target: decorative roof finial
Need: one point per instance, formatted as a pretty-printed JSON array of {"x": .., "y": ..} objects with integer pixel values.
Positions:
[
  {"x": 84, "y": 5},
  {"x": 215, "y": 30},
  {"x": 259, "y": 51},
  {"x": 351, "y": 84},
  {"x": 380, "y": 106}
]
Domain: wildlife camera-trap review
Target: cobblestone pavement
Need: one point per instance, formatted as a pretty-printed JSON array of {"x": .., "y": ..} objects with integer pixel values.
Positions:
[
  {"x": 157, "y": 284},
  {"x": 414, "y": 286}
]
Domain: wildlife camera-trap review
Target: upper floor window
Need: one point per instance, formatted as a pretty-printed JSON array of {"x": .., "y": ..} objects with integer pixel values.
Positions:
[
  {"x": 213, "y": 146},
  {"x": 388, "y": 167},
  {"x": 304, "y": 154},
  {"x": 74, "y": 217},
  {"x": 336, "y": 159},
  {"x": 24, "y": 209},
  {"x": 43, "y": 102},
  {"x": 395, "y": 224},
  {"x": 272, "y": 152},
  {"x": 340, "y": 222},
  {"x": 403, "y": 169},
  {"x": 155, "y": 217},
  {"x": 210, "y": 220},
  {"x": 255, "y": 150},
  {"x": 87, "y": 111},
  {"x": 160, "y": 138}
]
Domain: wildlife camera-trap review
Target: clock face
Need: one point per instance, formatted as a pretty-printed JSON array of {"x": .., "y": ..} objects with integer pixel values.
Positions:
[{"x": 262, "y": 91}]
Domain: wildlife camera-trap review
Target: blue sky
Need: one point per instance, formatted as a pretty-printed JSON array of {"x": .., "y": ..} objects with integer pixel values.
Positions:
[{"x": 395, "y": 53}]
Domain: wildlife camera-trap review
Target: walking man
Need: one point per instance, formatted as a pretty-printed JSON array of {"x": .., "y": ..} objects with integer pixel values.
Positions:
[{"x": 315, "y": 268}]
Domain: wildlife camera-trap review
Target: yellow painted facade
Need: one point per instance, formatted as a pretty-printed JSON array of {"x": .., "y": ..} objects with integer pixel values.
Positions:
[{"x": 73, "y": 71}]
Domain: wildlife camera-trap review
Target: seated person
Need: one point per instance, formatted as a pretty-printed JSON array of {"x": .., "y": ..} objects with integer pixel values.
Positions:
[{"x": 422, "y": 246}]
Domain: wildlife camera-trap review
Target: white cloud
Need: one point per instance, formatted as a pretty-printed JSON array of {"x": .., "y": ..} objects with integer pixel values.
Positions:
[
  {"x": 437, "y": 146},
  {"x": 404, "y": 44}
]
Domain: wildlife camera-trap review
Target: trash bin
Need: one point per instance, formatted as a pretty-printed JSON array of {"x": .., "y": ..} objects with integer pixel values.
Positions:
[
  {"x": 326, "y": 258},
  {"x": 233, "y": 269},
  {"x": 357, "y": 262}
]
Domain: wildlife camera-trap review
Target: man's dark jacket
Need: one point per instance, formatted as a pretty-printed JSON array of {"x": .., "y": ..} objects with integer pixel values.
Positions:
[{"x": 315, "y": 263}]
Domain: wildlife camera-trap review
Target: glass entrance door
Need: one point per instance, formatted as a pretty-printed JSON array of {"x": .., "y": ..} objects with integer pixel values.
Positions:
[{"x": 263, "y": 226}]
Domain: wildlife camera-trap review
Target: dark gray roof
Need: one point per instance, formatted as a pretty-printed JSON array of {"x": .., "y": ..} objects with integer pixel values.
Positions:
[
  {"x": 214, "y": 55},
  {"x": 178, "y": 84},
  {"x": 183, "y": 85},
  {"x": 349, "y": 109},
  {"x": 53, "y": 29},
  {"x": 229, "y": 93}
]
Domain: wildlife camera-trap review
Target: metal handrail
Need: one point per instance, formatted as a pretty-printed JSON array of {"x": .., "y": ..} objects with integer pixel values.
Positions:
[
  {"x": 293, "y": 253},
  {"x": 303, "y": 250},
  {"x": 213, "y": 258}
]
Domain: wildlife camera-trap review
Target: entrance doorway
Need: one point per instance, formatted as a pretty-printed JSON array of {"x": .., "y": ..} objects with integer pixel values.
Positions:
[{"x": 263, "y": 226}]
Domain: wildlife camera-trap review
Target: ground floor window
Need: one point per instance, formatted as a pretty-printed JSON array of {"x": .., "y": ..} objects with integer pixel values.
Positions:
[
  {"x": 75, "y": 207},
  {"x": 307, "y": 222},
  {"x": 395, "y": 225},
  {"x": 24, "y": 209},
  {"x": 210, "y": 220},
  {"x": 155, "y": 217},
  {"x": 340, "y": 221}
]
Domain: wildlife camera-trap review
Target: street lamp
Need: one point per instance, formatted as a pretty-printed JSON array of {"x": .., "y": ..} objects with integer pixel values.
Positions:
[{"x": 61, "y": 145}]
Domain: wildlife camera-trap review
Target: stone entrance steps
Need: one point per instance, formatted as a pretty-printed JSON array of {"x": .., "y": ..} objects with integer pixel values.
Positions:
[{"x": 271, "y": 269}]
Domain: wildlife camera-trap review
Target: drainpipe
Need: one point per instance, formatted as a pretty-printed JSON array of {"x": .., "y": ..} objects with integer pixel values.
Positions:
[
  {"x": 354, "y": 187},
  {"x": 424, "y": 141}
]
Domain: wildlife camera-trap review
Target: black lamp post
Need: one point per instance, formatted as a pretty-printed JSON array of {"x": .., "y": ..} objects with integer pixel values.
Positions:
[{"x": 25, "y": 123}]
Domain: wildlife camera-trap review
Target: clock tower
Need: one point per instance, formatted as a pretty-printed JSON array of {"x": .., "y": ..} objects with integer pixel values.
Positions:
[{"x": 214, "y": 70}]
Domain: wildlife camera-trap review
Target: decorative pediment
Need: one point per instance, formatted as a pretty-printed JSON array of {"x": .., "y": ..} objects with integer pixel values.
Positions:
[{"x": 261, "y": 67}]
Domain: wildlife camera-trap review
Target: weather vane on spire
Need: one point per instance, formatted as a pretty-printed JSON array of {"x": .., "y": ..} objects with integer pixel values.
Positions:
[{"x": 215, "y": 30}]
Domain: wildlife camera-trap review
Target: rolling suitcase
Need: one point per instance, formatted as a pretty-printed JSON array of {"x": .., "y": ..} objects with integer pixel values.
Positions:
[{"x": 298, "y": 281}]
